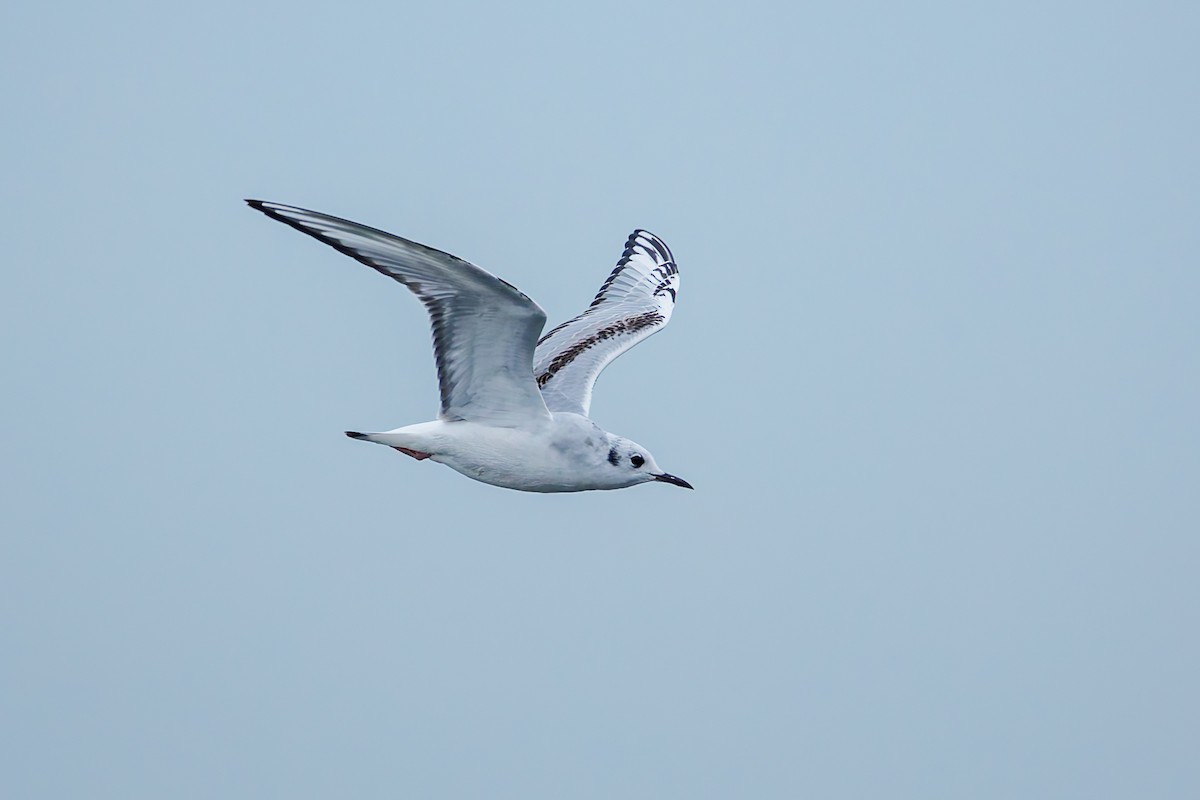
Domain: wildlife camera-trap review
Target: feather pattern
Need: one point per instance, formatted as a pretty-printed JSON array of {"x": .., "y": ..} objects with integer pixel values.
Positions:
[
  {"x": 484, "y": 329},
  {"x": 635, "y": 301}
]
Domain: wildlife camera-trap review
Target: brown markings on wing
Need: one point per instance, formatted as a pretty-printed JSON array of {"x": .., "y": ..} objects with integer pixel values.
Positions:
[{"x": 629, "y": 325}]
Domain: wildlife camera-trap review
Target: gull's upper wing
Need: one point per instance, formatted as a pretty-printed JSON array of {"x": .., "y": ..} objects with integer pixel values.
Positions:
[
  {"x": 635, "y": 301},
  {"x": 484, "y": 329}
]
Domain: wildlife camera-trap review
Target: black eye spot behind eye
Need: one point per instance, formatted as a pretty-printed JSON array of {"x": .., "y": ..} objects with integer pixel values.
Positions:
[
  {"x": 613, "y": 458},
  {"x": 636, "y": 460}
]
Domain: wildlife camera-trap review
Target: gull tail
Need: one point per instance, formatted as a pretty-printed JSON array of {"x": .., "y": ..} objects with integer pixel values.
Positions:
[
  {"x": 397, "y": 440},
  {"x": 389, "y": 439}
]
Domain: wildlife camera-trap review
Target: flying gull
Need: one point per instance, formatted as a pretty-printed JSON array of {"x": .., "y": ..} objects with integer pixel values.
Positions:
[{"x": 514, "y": 406}]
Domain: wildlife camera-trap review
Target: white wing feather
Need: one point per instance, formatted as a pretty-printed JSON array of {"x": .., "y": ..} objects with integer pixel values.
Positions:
[
  {"x": 484, "y": 329},
  {"x": 634, "y": 302}
]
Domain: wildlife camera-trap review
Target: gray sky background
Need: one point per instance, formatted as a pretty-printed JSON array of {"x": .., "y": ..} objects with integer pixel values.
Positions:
[{"x": 934, "y": 374}]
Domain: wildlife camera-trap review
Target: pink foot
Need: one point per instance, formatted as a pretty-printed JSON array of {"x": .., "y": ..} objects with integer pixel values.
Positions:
[{"x": 417, "y": 454}]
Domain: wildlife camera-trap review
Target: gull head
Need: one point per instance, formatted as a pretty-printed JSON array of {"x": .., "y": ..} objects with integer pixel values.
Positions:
[{"x": 627, "y": 463}]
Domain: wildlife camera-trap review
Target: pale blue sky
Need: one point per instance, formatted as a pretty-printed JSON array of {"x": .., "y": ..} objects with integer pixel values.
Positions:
[{"x": 934, "y": 374}]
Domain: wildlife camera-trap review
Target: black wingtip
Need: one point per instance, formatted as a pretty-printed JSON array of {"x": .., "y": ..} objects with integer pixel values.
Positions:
[
  {"x": 257, "y": 205},
  {"x": 356, "y": 435}
]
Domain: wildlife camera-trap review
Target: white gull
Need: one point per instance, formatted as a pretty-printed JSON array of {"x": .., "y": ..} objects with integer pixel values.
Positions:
[{"x": 514, "y": 407}]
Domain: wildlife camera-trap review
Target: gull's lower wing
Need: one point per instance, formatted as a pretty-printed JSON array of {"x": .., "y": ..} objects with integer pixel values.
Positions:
[
  {"x": 484, "y": 329},
  {"x": 634, "y": 302}
]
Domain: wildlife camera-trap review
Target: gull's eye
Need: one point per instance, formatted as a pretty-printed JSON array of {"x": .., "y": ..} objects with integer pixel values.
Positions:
[{"x": 636, "y": 460}]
